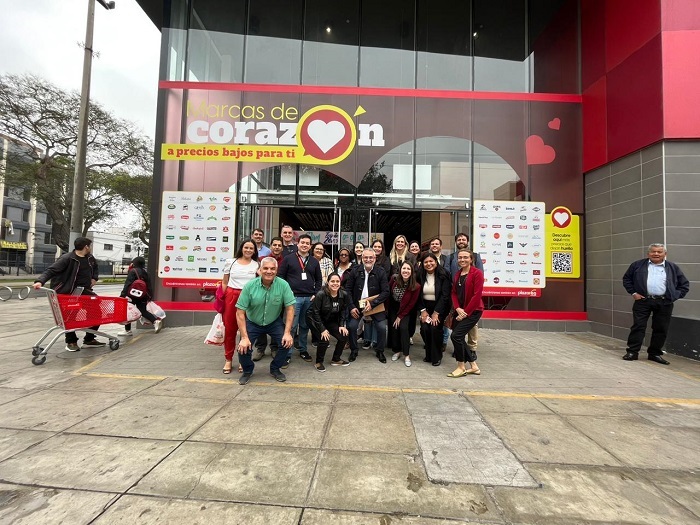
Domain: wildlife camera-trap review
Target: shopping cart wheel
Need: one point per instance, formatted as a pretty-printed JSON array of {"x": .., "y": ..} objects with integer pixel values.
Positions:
[
  {"x": 36, "y": 350},
  {"x": 38, "y": 360},
  {"x": 113, "y": 344}
]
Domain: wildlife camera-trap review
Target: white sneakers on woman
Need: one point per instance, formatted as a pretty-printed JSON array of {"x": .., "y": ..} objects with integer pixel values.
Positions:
[{"x": 407, "y": 361}]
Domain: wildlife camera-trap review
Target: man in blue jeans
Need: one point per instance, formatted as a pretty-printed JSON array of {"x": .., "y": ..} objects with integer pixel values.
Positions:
[
  {"x": 259, "y": 311},
  {"x": 303, "y": 273}
]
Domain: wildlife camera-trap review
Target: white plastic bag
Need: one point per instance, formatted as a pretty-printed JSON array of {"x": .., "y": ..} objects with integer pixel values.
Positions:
[
  {"x": 216, "y": 332},
  {"x": 132, "y": 313},
  {"x": 155, "y": 310}
]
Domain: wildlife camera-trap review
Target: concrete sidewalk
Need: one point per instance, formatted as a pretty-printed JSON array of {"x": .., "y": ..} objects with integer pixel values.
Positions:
[{"x": 557, "y": 430}]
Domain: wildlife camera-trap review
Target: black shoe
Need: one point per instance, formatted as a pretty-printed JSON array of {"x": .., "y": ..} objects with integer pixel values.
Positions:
[
  {"x": 381, "y": 357},
  {"x": 353, "y": 356},
  {"x": 366, "y": 345},
  {"x": 426, "y": 360},
  {"x": 243, "y": 380},
  {"x": 306, "y": 357},
  {"x": 320, "y": 367},
  {"x": 279, "y": 376},
  {"x": 286, "y": 362},
  {"x": 658, "y": 359},
  {"x": 630, "y": 356},
  {"x": 93, "y": 343},
  {"x": 438, "y": 363}
]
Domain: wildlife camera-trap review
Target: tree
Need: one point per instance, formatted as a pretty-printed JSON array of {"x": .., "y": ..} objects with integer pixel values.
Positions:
[
  {"x": 135, "y": 190},
  {"x": 43, "y": 118}
]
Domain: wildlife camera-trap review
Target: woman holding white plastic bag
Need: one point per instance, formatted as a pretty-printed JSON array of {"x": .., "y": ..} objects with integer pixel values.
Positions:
[
  {"x": 237, "y": 273},
  {"x": 137, "y": 270}
]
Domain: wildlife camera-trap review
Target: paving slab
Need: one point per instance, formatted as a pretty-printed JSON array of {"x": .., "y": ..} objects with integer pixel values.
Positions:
[
  {"x": 194, "y": 388},
  {"x": 21, "y": 505},
  {"x": 672, "y": 417},
  {"x": 390, "y": 400},
  {"x": 10, "y": 394},
  {"x": 577, "y": 495},
  {"x": 267, "y": 423},
  {"x": 682, "y": 487},
  {"x": 639, "y": 443},
  {"x": 593, "y": 407},
  {"x": 511, "y": 405},
  {"x": 85, "y": 462},
  {"x": 123, "y": 385},
  {"x": 388, "y": 483},
  {"x": 290, "y": 393},
  {"x": 548, "y": 438},
  {"x": 233, "y": 473},
  {"x": 33, "y": 377},
  {"x": 151, "y": 417},
  {"x": 55, "y": 409},
  {"x": 14, "y": 441},
  {"x": 371, "y": 428},
  {"x": 157, "y": 511},
  {"x": 336, "y": 517}
]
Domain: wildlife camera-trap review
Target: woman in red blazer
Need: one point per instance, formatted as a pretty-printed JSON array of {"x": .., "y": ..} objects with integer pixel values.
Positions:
[
  {"x": 402, "y": 300},
  {"x": 467, "y": 288}
]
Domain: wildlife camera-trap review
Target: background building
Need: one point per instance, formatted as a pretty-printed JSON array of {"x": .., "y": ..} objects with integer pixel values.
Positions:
[{"x": 583, "y": 104}]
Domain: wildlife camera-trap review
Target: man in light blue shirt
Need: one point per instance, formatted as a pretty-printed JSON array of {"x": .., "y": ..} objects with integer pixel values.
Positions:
[{"x": 655, "y": 284}]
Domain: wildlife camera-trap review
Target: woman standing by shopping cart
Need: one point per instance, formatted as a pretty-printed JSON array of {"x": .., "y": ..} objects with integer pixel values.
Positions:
[
  {"x": 137, "y": 270},
  {"x": 237, "y": 273}
]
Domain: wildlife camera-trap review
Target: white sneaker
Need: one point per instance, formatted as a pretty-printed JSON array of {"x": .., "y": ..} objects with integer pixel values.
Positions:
[
  {"x": 407, "y": 362},
  {"x": 396, "y": 356},
  {"x": 124, "y": 333},
  {"x": 410, "y": 340},
  {"x": 157, "y": 326}
]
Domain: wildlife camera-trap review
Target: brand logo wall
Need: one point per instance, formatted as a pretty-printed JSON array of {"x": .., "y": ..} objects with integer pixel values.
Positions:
[{"x": 323, "y": 135}]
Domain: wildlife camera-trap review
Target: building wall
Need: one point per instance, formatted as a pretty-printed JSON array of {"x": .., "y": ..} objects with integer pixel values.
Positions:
[{"x": 648, "y": 196}]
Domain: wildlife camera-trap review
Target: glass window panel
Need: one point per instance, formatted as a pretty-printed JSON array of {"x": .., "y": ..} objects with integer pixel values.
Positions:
[
  {"x": 329, "y": 64},
  {"x": 332, "y": 22},
  {"x": 386, "y": 184},
  {"x": 494, "y": 178},
  {"x": 446, "y": 160}
]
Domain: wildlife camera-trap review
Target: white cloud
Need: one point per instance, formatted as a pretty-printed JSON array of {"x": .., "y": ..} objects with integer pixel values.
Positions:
[{"x": 41, "y": 37}]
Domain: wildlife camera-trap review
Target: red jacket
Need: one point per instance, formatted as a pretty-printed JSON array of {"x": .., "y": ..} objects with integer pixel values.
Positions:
[
  {"x": 409, "y": 299},
  {"x": 473, "y": 288}
]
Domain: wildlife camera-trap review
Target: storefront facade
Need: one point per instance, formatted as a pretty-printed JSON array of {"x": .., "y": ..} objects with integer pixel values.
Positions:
[{"x": 397, "y": 117}]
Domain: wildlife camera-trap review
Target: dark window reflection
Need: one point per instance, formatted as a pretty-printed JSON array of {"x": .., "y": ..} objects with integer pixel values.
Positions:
[
  {"x": 443, "y": 27},
  {"x": 332, "y": 22},
  {"x": 226, "y": 16},
  {"x": 275, "y": 18},
  {"x": 388, "y": 23}
]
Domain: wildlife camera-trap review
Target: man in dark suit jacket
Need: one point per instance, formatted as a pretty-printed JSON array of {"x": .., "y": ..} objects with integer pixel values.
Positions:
[{"x": 655, "y": 284}]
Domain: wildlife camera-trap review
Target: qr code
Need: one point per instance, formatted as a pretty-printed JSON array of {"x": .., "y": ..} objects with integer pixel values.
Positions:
[{"x": 561, "y": 262}]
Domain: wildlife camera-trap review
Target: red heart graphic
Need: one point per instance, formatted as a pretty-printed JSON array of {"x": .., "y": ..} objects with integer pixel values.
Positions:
[
  {"x": 537, "y": 152},
  {"x": 555, "y": 123}
]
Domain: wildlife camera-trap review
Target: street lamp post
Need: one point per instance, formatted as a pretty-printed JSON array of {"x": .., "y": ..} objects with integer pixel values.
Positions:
[{"x": 78, "y": 202}]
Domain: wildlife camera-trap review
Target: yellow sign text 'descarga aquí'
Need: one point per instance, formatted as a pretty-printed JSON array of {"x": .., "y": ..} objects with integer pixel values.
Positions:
[
  {"x": 563, "y": 244},
  {"x": 323, "y": 135}
]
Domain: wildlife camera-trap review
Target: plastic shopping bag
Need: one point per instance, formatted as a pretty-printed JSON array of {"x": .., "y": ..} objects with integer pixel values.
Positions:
[
  {"x": 155, "y": 310},
  {"x": 216, "y": 332},
  {"x": 132, "y": 313}
]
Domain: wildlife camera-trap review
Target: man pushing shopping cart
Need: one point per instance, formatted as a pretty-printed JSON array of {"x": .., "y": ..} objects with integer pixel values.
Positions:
[{"x": 70, "y": 271}]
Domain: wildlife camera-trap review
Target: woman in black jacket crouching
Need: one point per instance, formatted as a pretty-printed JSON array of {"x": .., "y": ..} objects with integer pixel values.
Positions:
[{"x": 328, "y": 316}]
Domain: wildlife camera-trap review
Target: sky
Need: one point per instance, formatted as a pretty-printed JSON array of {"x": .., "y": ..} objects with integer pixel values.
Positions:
[{"x": 41, "y": 37}]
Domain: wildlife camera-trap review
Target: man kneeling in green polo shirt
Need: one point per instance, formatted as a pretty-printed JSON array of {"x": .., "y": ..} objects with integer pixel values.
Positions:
[{"x": 260, "y": 307}]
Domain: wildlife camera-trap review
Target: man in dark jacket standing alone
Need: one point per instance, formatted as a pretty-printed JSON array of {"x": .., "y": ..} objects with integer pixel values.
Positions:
[
  {"x": 70, "y": 271},
  {"x": 655, "y": 284}
]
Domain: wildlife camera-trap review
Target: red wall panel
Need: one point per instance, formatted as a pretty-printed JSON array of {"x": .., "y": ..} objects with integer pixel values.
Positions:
[
  {"x": 635, "y": 101},
  {"x": 595, "y": 132},
  {"x": 681, "y": 80},
  {"x": 679, "y": 15},
  {"x": 592, "y": 42},
  {"x": 629, "y": 24}
]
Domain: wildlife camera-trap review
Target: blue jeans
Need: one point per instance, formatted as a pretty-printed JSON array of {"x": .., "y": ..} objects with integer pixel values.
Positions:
[
  {"x": 379, "y": 329},
  {"x": 300, "y": 309},
  {"x": 275, "y": 330}
]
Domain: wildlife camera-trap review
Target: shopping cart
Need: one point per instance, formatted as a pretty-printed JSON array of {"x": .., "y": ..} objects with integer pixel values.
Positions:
[{"x": 80, "y": 312}]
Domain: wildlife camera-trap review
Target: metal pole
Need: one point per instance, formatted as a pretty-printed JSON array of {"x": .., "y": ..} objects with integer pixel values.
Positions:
[{"x": 78, "y": 202}]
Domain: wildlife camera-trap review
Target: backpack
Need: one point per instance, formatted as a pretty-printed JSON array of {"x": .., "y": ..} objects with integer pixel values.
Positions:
[{"x": 138, "y": 291}]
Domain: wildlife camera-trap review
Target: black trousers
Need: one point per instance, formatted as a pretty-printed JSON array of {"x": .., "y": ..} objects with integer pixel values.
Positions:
[
  {"x": 334, "y": 329},
  {"x": 398, "y": 338},
  {"x": 460, "y": 329},
  {"x": 432, "y": 335},
  {"x": 660, "y": 311},
  {"x": 72, "y": 337}
]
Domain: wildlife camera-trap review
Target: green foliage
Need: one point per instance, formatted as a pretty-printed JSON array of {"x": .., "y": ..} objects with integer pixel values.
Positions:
[{"x": 42, "y": 120}]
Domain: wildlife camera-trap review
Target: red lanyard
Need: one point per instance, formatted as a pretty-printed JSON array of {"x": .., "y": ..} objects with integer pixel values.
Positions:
[{"x": 301, "y": 263}]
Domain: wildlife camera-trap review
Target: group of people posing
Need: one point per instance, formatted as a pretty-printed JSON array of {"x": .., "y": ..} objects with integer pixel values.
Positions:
[{"x": 286, "y": 289}]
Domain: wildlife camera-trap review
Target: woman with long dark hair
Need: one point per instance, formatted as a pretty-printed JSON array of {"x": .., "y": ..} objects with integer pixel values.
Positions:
[
  {"x": 358, "y": 249},
  {"x": 382, "y": 260},
  {"x": 345, "y": 263},
  {"x": 137, "y": 270},
  {"x": 467, "y": 289},
  {"x": 237, "y": 272},
  {"x": 404, "y": 294},
  {"x": 328, "y": 317},
  {"x": 434, "y": 304}
]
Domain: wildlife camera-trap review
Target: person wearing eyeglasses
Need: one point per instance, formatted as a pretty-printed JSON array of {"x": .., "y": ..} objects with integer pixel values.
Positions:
[{"x": 345, "y": 263}]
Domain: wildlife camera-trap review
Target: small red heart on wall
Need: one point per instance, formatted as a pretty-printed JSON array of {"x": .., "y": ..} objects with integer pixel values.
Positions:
[{"x": 555, "y": 123}]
